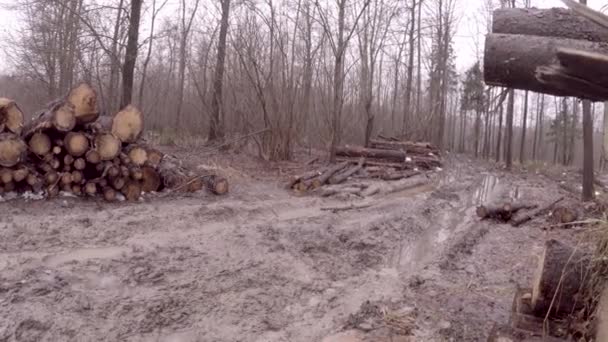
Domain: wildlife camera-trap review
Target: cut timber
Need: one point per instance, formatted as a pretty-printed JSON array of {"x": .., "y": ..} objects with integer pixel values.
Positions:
[
  {"x": 343, "y": 176},
  {"x": 11, "y": 117},
  {"x": 12, "y": 149},
  {"x": 553, "y": 22},
  {"x": 20, "y": 174},
  {"x": 68, "y": 159},
  {"x": 128, "y": 124},
  {"x": 93, "y": 157},
  {"x": 324, "y": 177},
  {"x": 6, "y": 176},
  {"x": 76, "y": 143},
  {"x": 109, "y": 194},
  {"x": 564, "y": 215},
  {"x": 40, "y": 144},
  {"x": 84, "y": 100},
  {"x": 356, "y": 151},
  {"x": 137, "y": 154},
  {"x": 60, "y": 117},
  {"x": 216, "y": 184},
  {"x": 77, "y": 176},
  {"x": 131, "y": 190},
  {"x": 512, "y": 61},
  {"x": 502, "y": 212},
  {"x": 340, "y": 190},
  {"x": 408, "y": 147},
  {"x": 107, "y": 145},
  {"x": 303, "y": 177},
  {"x": 524, "y": 217},
  {"x": 154, "y": 157},
  {"x": 561, "y": 277},
  {"x": 391, "y": 176},
  {"x": 90, "y": 189},
  {"x": 119, "y": 182},
  {"x": 176, "y": 177},
  {"x": 80, "y": 164}
]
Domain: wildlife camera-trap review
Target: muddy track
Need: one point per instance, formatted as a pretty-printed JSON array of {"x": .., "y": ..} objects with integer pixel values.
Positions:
[{"x": 262, "y": 265}]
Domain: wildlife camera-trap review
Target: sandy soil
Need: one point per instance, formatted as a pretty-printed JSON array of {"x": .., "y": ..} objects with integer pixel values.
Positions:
[{"x": 264, "y": 265}]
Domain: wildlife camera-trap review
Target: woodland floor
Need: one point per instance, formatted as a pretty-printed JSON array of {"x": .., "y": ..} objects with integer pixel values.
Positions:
[{"x": 262, "y": 264}]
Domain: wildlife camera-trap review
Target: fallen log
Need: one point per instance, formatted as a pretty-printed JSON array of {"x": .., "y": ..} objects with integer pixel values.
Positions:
[
  {"x": 564, "y": 215},
  {"x": 553, "y": 22},
  {"x": 502, "y": 212},
  {"x": 392, "y": 176},
  {"x": 303, "y": 177},
  {"x": 408, "y": 147},
  {"x": 560, "y": 280},
  {"x": 150, "y": 179},
  {"x": 324, "y": 177},
  {"x": 12, "y": 149},
  {"x": 356, "y": 151},
  {"x": 11, "y": 117},
  {"x": 343, "y": 176},
  {"x": 340, "y": 189},
  {"x": 518, "y": 219},
  {"x": 216, "y": 184},
  {"x": 512, "y": 61}
]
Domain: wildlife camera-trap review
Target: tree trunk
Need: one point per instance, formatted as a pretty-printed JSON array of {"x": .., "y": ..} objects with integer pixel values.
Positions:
[
  {"x": 588, "y": 192},
  {"x": 216, "y": 131},
  {"x": 523, "y": 133},
  {"x": 128, "y": 69},
  {"x": 509, "y": 130},
  {"x": 559, "y": 279},
  {"x": 554, "y": 22},
  {"x": 512, "y": 61},
  {"x": 499, "y": 136},
  {"x": 410, "y": 72}
]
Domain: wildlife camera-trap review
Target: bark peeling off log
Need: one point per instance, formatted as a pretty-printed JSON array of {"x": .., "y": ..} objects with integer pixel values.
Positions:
[{"x": 512, "y": 60}]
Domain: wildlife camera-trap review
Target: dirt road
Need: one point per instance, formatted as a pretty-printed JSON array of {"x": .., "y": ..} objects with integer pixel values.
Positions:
[{"x": 264, "y": 265}]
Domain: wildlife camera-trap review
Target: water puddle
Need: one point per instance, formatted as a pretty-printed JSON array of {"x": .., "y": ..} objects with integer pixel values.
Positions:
[
  {"x": 84, "y": 254},
  {"x": 486, "y": 190}
]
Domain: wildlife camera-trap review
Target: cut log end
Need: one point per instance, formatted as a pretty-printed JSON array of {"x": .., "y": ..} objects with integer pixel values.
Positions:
[
  {"x": 138, "y": 155},
  {"x": 64, "y": 118},
  {"x": 217, "y": 185},
  {"x": 132, "y": 191},
  {"x": 93, "y": 157},
  {"x": 84, "y": 100},
  {"x": 107, "y": 145},
  {"x": 11, "y": 117},
  {"x": 80, "y": 164},
  {"x": 40, "y": 144},
  {"x": 109, "y": 194},
  {"x": 12, "y": 149},
  {"x": 76, "y": 143},
  {"x": 128, "y": 124},
  {"x": 90, "y": 188}
]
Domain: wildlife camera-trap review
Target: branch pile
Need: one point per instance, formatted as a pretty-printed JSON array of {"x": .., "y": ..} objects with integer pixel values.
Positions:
[
  {"x": 385, "y": 159},
  {"x": 68, "y": 147}
]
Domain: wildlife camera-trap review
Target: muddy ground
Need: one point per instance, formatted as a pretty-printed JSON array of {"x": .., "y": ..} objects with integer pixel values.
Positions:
[{"x": 262, "y": 264}]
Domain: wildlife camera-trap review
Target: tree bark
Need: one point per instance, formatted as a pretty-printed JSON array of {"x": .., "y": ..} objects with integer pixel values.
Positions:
[
  {"x": 512, "y": 61},
  {"x": 410, "y": 72},
  {"x": 509, "y": 130},
  {"x": 554, "y": 22},
  {"x": 588, "y": 192},
  {"x": 128, "y": 70},
  {"x": 523, "y": 133},
  {"x": 216, "y": 130}
]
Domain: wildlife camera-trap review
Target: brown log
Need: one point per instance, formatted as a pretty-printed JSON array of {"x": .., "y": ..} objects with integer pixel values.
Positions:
[
  {"x": 117, "y": 182},
  {"x": 60, "y": 117},
  {"x": 553, "y": 22},
  {"x": 136, "y": 173},
  {"x": 523, "y": 217},
  {"x": 6, "y": 175},
  {"x": 80, "y": 164},
  {"x": 68, "y": 159},
  {"x": 176, "y": 177},
  {"x": 34, "y": 181},
  {"x": 391, "y": 176},
  {"x": 107, "y": 145},
  {"x": 66, "y": 178},
  {"x": 84, "y": 99},
  {"x": 12, "y": 149},
  {"x": 93, "y": 157},
  {"x": 40, "y": 144},
  {"x": 52, "y": 191},
  {"x": 77, "y": 189},
  {"x": 502, "y": 212},
  {"x": 560, "y": 279},
  {"x": 20, "y": 174},
  {"x": 132, "y": 190},
  {"x": 124, "y": 158},
  {"x": 11, "y": 117},
  {"x": 303, "y": 177},
  {"x": 57, "y": 149},
  {"x": 77, "y": 176},
  {"x": 344, "y": 175},
  {"x": 51, "y": 178},
  {"x": 216, "y": 184},
  {"x": 126, "y": 125},
  {"x": 406, "y": 146},
  {"x": 356, "y": 151},
  {"x": 109, "y": 194},
  {"x": 512, "y": 61},
  {"x": 113, "y": 171},
  {"x": 76, "y": 143},
  {"x": 154, "y": 157},
  {"x": 137, "y": 155},
  {"x": 90, "y": 189},
  {"x": 54, "y": 163},
  {"x": 151, "y": 181},
  {"x": 324, "y": 177},
  {"x": 564, "y": 215}
]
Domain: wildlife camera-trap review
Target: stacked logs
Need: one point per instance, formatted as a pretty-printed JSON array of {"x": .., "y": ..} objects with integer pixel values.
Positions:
[
  {"x": 68, "y": 147},
  {"x": 385, "y": 159}
]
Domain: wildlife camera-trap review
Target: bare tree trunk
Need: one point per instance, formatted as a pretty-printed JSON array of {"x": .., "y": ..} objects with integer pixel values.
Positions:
[
  {"x": 524, "y": 128},
  {"x": 419, "y": 65},
  {"x": 605, "y": 135},
  {"x": 573, "y": 124},
  {"x": 144, "y": 71},
  {"x": 183, "y": 58},
  {"x": 588, "y": 192},
  {"x": 410, "y": 71},
  {"x": 216, "y": 131},
  {"x": 499, "y": 137},
  {"x": 131, "y": 53},
  {"x": 509, "y": 132},
  {"x": 535, "y": 144},
  {"x": 115, "y": 61},
  {"x": 564, "y": 127}
]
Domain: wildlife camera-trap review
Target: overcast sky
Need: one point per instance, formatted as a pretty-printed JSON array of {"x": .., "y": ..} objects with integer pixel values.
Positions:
[{"x": 468, "y": 40}]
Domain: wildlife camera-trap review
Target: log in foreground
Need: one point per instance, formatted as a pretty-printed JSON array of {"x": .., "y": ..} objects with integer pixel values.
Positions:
[
  {"x": 60, "y": 117},
  {"x": 128, "y": 124},
  {"x": 357, "y": 151},
  {"x": 553, "y": 22},
  {"x": 560, "y": 279},
  {"x": 11, "y": 117},
  {"x": 513, "y": 61},
  {"x": 84, "y": 99}
]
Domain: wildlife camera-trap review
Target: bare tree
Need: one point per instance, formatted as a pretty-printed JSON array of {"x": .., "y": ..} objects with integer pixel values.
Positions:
[
  {"x": 128, "y": 70},
  {"x": 216, "y": 130}
]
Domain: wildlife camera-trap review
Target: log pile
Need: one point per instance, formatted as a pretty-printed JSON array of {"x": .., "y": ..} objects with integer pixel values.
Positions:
[
  {"x": 69, "y": 148},
  {"x": 385, "y": 159}
]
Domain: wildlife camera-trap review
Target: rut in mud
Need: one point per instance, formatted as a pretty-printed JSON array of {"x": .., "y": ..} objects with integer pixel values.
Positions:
[{"x": 262, "y": 265}]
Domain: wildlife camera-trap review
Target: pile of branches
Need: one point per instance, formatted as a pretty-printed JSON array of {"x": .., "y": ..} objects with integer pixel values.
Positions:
[
  {"x": 69, "y": 147},
  {"x": 386, "y": 159}
]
